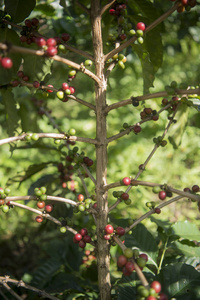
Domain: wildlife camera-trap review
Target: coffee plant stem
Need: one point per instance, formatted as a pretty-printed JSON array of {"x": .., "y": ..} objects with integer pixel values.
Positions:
[{"x": 163, "y": 254}]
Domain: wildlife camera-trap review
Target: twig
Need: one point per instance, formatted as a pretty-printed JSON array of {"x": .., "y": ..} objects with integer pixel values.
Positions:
[
  {"x": 151, "y": 96},
  {"x": 150, "y": 27},
  {"x": 137, "y": 268},
  {"x": 83, "y": 7},
  {"x": 8, "y": 288},
  {"x": 5, "y": 279},
  {"x": 89, "y": 173},
  {"x": 49, "y": 135},
  {"x": 74, "y": 65},
  {"x": 107, "y": 7}
]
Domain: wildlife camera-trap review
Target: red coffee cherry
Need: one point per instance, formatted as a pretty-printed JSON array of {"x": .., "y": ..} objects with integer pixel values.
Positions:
[
  {"x": 80, "y": 197},
  {"x": 49, "y": 208},
  {"x": 82, "y": 244},
  {"x": 126, "y": 181},
  {"x": 125, "y": 196},
  {"x": 120, "y": 231},
  {"x": 39, "y": 219},
  {"x": 51, "y": 51},
  {"x": 77, "y": 237},
  {"x": 157, "y": 210},
  {"x": 109, "y": 229},
  {"x": 140, "y": 26},
  {"x": 156, "y": 286},
  {"x": 162, "y": 195},
  {"x": 130, "y": 266},
  {"x": 83, "y": 231},
  {"x": 40, "y": 204},
  {"x": 121, "y": 261},
  {"x": 51, "y": 42},
  {"x": 65, "y": 37},
  {"x": 40, "y": 41},
  {"x": 6, "y": 62},
  {"x": 137, "y": 128}
]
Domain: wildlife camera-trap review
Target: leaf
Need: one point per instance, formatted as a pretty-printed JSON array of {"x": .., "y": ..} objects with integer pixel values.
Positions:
[
  {"x": 143, "y": 239},
  {"x": 186, "y": 230},
  {"x": 37, "y": 67},
  {"x": 19, "y": 9},
  {"x": 45, "y": 8},
  {"x": 178, "y": 280},
  {"x": 12, "y": 118},
  {"x": 10, "y": 36},
  {"x": 176, "y": 132},
  {"x": 186, "y": 250}
]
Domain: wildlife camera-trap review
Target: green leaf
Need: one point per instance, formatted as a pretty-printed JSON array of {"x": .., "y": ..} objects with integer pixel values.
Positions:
[
  {"x": 186, "y": 230},
  {"x": 186, "y": 249},
  {"x": 177, "y": 130},
  {"x": 178, "y": 280},
  {"x": 10, "y": 36},
  {"x": 12, "y": 118},
  {"x": 19, "y": 9},
  {"x": 143, "y": 239},
  {"x": 36, "y": 67},
  {"x": 45, "y": 8}
]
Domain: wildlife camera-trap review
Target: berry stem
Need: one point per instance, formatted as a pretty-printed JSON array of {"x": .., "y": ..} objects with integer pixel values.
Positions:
[{"x": 163, "y": 254}]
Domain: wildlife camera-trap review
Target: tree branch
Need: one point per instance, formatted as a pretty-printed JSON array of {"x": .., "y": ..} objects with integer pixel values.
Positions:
[
  {"x": 107, "y": 7},
  {"x": 20, "y": 283},
  {"x": 49, "y": 135},
  {"x": 151, "y": 96},
  {"x": 83, "y": 7},
  {"x": 150, "y": 27},
  {"x": 74, "y": 65}
]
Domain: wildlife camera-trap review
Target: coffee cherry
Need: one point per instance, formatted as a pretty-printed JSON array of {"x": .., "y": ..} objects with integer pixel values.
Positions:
[
  {"x": 82, "y": 244},
  {"x": 162, "y": 195},
  {"x": 80, "y": 197},
  {"x": 120, "y": 231},
  {"x": 143, "y": 255},
  {"x": 141, "y": 261},
  {"x": 151, "y": 298},
  {"x": 71, "y": 131},
  {"x": 6, "y": 62},
  {"x": 81, "y": 207},
  {"x": 34, "y": 137},
  {"x": 72, "y": 73},
  {"x": 130, "y": 266},
  {"x": 107, "y": 237},
  {"x": 43, "y": 197},
  {"x": 49, "y": 208},
  {"x": 128, "y": 202},
  {"x": 126, "y": 181},
  {"x": 40, "y": 42},
  {"x": 40, "y": 204},
  {"x": 36, "y": 84},
  {"x": 195, "y": 188},
  {"x": 5, "y": 208},
  {"x": 162, "y": 296},
  {"x": 142, "y": 291},
  {"x": 65, "y": 37},
  {"x": 88, "y": 63},
  {"x": 157, "y": 210},
  {"x": 51, "y": 42},
  {"x": 87, "y": 239},
  {"x": 109, "y": 229},
  {"x": 137, "y": 128},
  {"x": 63, "y": 229},
  {"x": 121, "y": 64},
  {"x": 140, "y": 26},
  {"x": 37, "y": 192},
  {"x": 2, "y": 202},
  {"x": 83, "y": 231},
  {"x": 60, "y": 95},
  {"x": 121, "y": 261},
  {"x": 140, "y": 40},
  {"x": 65, "y": 86},
  {"x": 15, "y": 83},
  {"x": 126, "y": 272},
  {"x": 156, "y": 286},
  {"x": 72, "y": 89},
  {"x": 51, "y": 51},
  {"x": 39, "y": 219},
  {"x": 125, "y": 196},
  {"x": 25, "y": 78},
  {"x": 122, "y": 36},
  {"x": 128, "y": 252},
  {"x": 77, "y": 237}
]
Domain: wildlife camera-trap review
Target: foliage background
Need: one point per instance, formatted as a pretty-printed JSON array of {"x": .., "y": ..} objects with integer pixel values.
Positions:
[{"x": 24, "y": 245}]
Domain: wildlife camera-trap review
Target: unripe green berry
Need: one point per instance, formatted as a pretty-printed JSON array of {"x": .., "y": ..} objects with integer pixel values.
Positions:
[
  {"x": 63, "y": 229},
  {"x": 71, "y": 131},
  {"x": 140, "y": 40},
  {"x": 139, "y": 33},
  {"x": 34, "y": 137},
  {"x": 88, "y": 63},
  {"x": 128, "y": 252},
  {"x": 60, "y": 95},
  {"x": 43, "y": 197},
  {"x": 121, "y": 64}
]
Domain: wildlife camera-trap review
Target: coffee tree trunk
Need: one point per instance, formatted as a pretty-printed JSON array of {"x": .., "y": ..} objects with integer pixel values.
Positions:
[{"x": 101, "y": 155}]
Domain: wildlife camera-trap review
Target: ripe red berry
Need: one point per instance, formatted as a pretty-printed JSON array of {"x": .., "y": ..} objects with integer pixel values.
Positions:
[
  {"x": 15, "y": 83},
  {"x": 65, "y": 86},
  {"x": 126, "y": 181},
  {"x": 20, "y": 74},
  {"x": 72, "y": 89},
  {"x": 112, "y": 12},
  {"x": 122, "y": 36},
  {"x": 49, "y": 208},
  {"x": 82, "y": 244},
  {"x": 40, "y": 41},
  {"x": 162, "y": 296},
  {"x": 106, "y": 236},
  {"x": 129, "y": 266},
  {"x": 25, "y": 78},
  {"x": 65, "y": 37},
  {"x": 156, "y": 286},
  {"x": 28, "y": 23},
  {"x": 121, "y": 261},
  {"x": 162, "y": 195},
  {"x": 195, "y": 188},
  {"x": 125, "y": 196},
  {"x": 90, "y": 163},
  {"x": 51, "y": 51},
  {"x": 151, "y": 298},
  {"x": 77, "y": 237},
  {"x": 140, "y": 26},
  {"x": 40, "y": 204},
  {"x": 120, "y": 231},
  {"x": 6, "y": 62},
  {"x": 109, "y": 229},
  {"x": 39, "y": 219},
  {"x": 157, "y": 210},
  {"x": 51, "y": 42},
  {"x": 126, "y": 272},
  {"x": 35, "y": 22},
  {"x": 83, "y": 231},
  {"x": 80, "y": 197}
]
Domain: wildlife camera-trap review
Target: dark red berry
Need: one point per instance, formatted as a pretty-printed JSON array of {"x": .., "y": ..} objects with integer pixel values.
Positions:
[
  {"x": 121, "y": 261},
  {"x": 195, "y": 188},
  {"x": 6, "y": 62},
  {"x": 25, "y": 78},
  {"x": 120, "y": 231},
  {"x": 83, "y": 231},
  {"x": 82, "y": 244},
  {"x": 35, "y": 22},
  {"x": 20, "y": 74},
  {"x": 109, "y": 229},
  {"x": 90, "y": 163},
  {"x": 36, "y": 84},
  {"x": 125, "y": 196},
  {"x": 15, "y": 83},
  {"x": 40, "y": 41},
  {"x": 162, "y": 195},
  {"x": 39, "y": 219},
  {"x": 126, "y": 272},
  {"x": 162, "y": 296},
  {"x": 65, "y": 37},
  {"x": 28, "y": 23},
  {"x": 122, "y": 36},
  {"x": 129, "y": 266},
  {"x": 87, "y": 239},
  {"x": 137, "y": 128},
  {"x": 157, "y": 210},
  {"x": 51, "y": 42}
]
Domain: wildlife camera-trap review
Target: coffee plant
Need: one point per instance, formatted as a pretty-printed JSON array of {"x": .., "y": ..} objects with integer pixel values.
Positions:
[{"x": 90, "y": 205}]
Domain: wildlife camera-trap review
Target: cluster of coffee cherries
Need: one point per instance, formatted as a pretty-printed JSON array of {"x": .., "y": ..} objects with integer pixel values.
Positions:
[
  {"x": 135, "y": 128},
  {"x": 148, "y": 112},
  {"x": 82, "y": 238},
  {"x": 28, "y": 31},
  {"x": 195, "y": 189},
  {"x": 3, "y": 194},
  {"x": 84, "y": 204},
  {"x": 109, "y": 231},
  {"x": 121, "y": 195},
  {"x": 139, "y": 32},
  {"x": 152, "y": 293},
  {"x": 159, "y": 141},
  {"x": 41, "y": 197},
  {"x": 31, "y": 137},
  {"x": 185, "y": 5},
  {"x": 127, "y": 259},
  {"x": 6, "y": 62},
  {"x": 120, "y": 59},
  {"x": 89, "y": 257}
]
